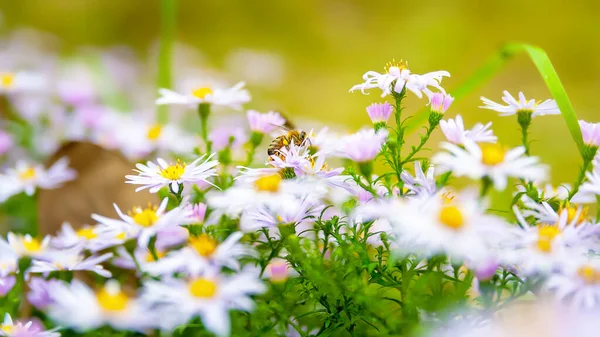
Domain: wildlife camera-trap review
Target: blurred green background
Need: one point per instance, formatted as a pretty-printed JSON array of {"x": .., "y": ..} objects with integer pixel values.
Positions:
[{"x": 326, "y": 46}]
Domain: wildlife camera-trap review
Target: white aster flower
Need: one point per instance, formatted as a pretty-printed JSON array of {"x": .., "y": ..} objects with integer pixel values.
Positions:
[
  {"x": 363, "y": 146},
  {"x": 266, "y": 217},
  {"x": 155, "y": 176},
  {"x": 20, "y": 82},
  {"x": 71, "y": 260},
  {"x": 8, "y": 328},
  {"x": 26, "y": 178},
  {"x": 489, "y": 160},
  {"x": 291, "y": 156},
  {"x": 143, "y": 223},
  {"x": 26, "y": 245},
  {"x": 201, "y": 253},
  {"x": 323, "y": 141},
  {"x": 80, "y": 308},
  {"x": 397, "y": 77},
  {"x": 232, "y": 97},
  {"x": 93, "y": 238},
  {"x": 454, "y": 130},
  {"x": 9, "y": 260},
  {"x": 544, "y": 247},
  {"x": 420, "y": 184},
  {"x": 547, "y": 107},
  {"x": 210, "y": 296},
  {"x": 578, "y": 283}
]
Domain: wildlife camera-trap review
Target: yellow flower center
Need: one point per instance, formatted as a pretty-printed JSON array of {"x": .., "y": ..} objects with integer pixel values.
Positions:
[
  {"x": 7, "y": 328},
  {"x": 447, "y": 197},
  {"x": 546, "y": 234},
  {"x": 87, "y": 233},
  {"x": 121, "y": 236},
  {"x": 173, "y": 172},
  {"x": 203, "y": 288},
  {"x": 7, "y": 80},
  {"x": 203, "y": 245},
  {"x": 268, "y": 183},
  {"x": 202, "y": 92},
  {"x": 154, "y": 132},
  {"x": 112, "y": 301},
  {"x": 395, "y": 64},
  {"x": 32, "y": 245},
  {"x": 572, "y": 212},
  {"x": 492, "y": 154},
  {"x": 452, "y": 217},
  {"x": 144, "y": 217},
  {"x": 589, "y": 274},
  {"x": 27, "y": 174}
]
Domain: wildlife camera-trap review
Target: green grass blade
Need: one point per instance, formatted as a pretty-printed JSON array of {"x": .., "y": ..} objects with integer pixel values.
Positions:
[
  {"x": 165, "y": 58},
  {"x": 489, "y": 69}
]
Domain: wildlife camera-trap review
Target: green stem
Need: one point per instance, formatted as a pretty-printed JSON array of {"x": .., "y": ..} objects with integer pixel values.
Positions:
[
  {"x": 397, "y": 155},
  {"x": 204, "y": 112},
  {"x": 524, "y": 119},
  {"x": 486, "y": 183},
  {"x": 168, "y": 21},
  {"x": 432, "y": 126},
  {"x": 580, "y": 178}
]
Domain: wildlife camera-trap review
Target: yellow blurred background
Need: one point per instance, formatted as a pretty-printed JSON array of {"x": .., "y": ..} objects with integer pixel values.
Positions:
[{"x": 325, "y": 47}]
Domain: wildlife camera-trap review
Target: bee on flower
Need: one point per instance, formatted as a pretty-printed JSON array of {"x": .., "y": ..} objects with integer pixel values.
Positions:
[
  {"x": 27, "y": 178},
  {"x": 156, "y": 176},
  {"x": 233, "y": 97},
  {"x": 493, "y": 161},
  {"x": 143, "y": 223},
  {"x": 397, "y": 77}
]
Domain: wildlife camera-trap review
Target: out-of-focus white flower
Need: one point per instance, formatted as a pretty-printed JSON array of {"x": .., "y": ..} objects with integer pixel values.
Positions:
[
  {"x": 536, "y": 108},
  {"x": 80, "y": 308},
  {"x": 39, "y": 292},
  {"x": 143, "y": 223},
  {"x": 93, "y": 238},
  {"x": 198, "y": 212},
  {"x": 71, "y": 260},
  {"x": 26, "y": 178},
  {"x": 454, "y": 130},
  {"x": 232, "y": 97},
  {"x": 264, "y": 122},
  {"x": 10, "y": 329},
  {"x": 20, "y": 82},
  {"x": 420, "y": 184},
  {"x": 440, "y": 102},
  {"x": 279, "y": 270},
  {"x": 209, "y": 295},
  {"x": 577, "y": 283},
  {"x": 489, "y": 160},
  {"x": 363, "y": 146},
  {"x": 590, "y": 133},
  {"x": 26, "y": 245},
  {"x": 8, "y": 259},
  {"x": 200, "y": 253},
  {"x": 544, "y": 247},
  {"x": 589, "y": 190},
  {"x": 6, "y": 142},
  {"x": 153, "y": 177},
  {"x": 266, "y": 217},
  {"x": 397, "y": 76}
]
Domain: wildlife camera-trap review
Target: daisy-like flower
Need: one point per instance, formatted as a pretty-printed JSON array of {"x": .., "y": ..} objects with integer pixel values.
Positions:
[
  {"x": 153, "y": 177},
  {"x": 71, "y": 260},
  {"x": 266, "y": 217},
  {"x": 535, "y": 108},
  {"x": 77, "y": 306},
  {"x": 93, "y": 238},
  {"x": 379, "y": 113},
  {"x": 200, "y": 253},
  {"x": 420, "y": 184},
  {"x": 591, "y": 188},
  {"x": 143, "y": 223},
  {"x": 264, "y": 122},
  {"x": 456, "y": 227},
  {"x": 577, "y": 283},
  {"x": 489, "y": 160},
  {"x": 363, "y": 146},
  {"x": 20, "y": 82},
  {"x": 198, "y": 212},
  {"x": 39, "y": 292},
  {"x": 26, "y": 245},
  {"x": 291, "y": 156},
  {"x": 209, "y": 295},
  {"x": 546, "y": 246},
  {"x": 9, "y": 260},
  {"x": 590, "y": 133},
  {"x": 232, "y": 97},
  {"x": 26, "y": 178},
  {"x": 221, "y": 137},
  {"x": 18, "y": 329},
  {"x": 454, "y": 130},
  {"x": 440, "y": 102},
  {"x": 323, "y": 141},
  {"x": 397, "y": 77}
]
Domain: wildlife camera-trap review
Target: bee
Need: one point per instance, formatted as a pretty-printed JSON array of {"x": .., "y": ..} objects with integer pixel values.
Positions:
[{"x": 292, "y": 136}]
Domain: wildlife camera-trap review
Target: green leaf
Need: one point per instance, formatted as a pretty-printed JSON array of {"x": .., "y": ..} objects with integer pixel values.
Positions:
[{"x": 494, "y": 64}]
